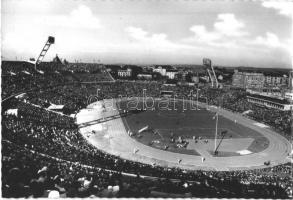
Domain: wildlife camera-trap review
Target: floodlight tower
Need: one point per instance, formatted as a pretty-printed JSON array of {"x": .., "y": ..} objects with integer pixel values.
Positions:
[
  {"x": 210, "y": 69},
  {"x": 51, "y": 40}
]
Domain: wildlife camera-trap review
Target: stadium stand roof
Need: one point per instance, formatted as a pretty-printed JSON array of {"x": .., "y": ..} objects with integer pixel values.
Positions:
[{"x": 267, "y": 98}]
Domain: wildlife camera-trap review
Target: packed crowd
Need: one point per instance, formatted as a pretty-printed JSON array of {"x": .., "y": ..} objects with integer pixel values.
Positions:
[
  {"x": 22, "y": 76},
  {"x": 235, "y": 100},
  {"x": 43, "y": 153},
  {"x": 89, "y": 72},
  {"x": 34, "y": 137},
  {"x": 33, "y": 175}
]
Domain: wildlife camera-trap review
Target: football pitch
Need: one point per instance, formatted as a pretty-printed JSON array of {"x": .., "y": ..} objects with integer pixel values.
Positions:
[{"x": 188, "y": 129}]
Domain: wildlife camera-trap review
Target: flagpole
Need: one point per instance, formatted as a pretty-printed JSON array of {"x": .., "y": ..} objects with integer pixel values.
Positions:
[{"x": 216, "y": 133}]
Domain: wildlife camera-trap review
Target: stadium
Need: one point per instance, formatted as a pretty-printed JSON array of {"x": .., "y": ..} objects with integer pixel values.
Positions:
[{"x": 72, "y": 130}]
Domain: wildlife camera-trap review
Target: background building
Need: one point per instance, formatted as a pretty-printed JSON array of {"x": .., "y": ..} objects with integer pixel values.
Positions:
[
  {"x": 291, "y": 80},
  {"x": 124, "y": 72},
  {"x": 275, "y": 81},
  {"x": 171, "y": 74},
  {"x": 248, "y": 79},
  {"x": 160, "y": 70},
  {"x": 144, "y": 76}
]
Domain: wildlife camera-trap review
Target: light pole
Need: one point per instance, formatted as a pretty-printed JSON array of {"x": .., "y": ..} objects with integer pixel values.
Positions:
[
  {"x": 207, "y": 103},
  {"x": 197, "y": 99},
  {"x": 216, "y": 133}
]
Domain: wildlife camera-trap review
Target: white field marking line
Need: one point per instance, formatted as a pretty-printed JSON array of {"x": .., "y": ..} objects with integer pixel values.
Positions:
[
  {"x": 160, "y": 134},
  {"x": 196, "y": 128},
  {"x": 203, "y": 152},
  {"x": 229, "y": 130},
  {"x": 113, "y": 80},
  {"x": 125, "y": 123},
  {"x": 187, "y": 127},
  {"x": 122, "y": 121}
]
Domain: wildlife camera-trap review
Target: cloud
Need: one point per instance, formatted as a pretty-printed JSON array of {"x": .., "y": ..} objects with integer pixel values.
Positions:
[
  {"x": 284, "y": 8},
  {"x": 81, "y": 18},
  {"x": 227, "y": 29},
  {"x": 143, "y": 36},
  {"x": 136, "y": 33},
  {"x": 229, "y": 39},
  {"x": 202, "y": 35},
  {"x": 229, "y": 32},
  {"x": 269, "y": 40},
  {"x": 228, "y": 25},
  {"x": 272, "y": 41},
  {"x": 153, "y": 42}
]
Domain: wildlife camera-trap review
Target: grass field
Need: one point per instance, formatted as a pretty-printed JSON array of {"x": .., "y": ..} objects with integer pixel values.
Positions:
[{"x": 187, "y": 124}]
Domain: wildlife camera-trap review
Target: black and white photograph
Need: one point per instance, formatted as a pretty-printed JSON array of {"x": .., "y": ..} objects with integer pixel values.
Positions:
[{"x": 147, "y": 99}]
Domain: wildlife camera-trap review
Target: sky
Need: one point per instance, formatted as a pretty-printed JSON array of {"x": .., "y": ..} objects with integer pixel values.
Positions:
[{"x": 231, "y": 33}]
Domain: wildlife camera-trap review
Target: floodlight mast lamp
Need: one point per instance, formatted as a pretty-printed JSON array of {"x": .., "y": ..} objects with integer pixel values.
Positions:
[{"x": 51, "y": 40}]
